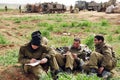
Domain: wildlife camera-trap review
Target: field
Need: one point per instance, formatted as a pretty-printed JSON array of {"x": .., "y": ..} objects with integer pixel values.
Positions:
[{"x": 60, "y": 29}]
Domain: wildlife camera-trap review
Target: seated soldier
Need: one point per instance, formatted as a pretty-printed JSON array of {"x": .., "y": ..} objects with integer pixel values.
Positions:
[
  {"x": 103, "y": 60},
  {"x": 33, "y": 51},
  {"x": 71, "y": 60}
]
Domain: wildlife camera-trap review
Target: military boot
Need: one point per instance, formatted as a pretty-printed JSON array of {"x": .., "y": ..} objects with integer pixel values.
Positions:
[{"x": 106, "y": 75}]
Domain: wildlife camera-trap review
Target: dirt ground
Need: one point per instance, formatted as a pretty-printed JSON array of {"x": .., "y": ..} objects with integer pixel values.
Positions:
[{"x": 13, "y": 33}]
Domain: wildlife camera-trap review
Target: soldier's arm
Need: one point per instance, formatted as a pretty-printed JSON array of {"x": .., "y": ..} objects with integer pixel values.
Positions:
[
  {"x": 49, "y": 52},
  {"x": 107, "y": 56},
  {"x": 22, "y": 58}
]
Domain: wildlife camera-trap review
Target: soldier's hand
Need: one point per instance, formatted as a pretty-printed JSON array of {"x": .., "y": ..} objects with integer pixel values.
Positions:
[
  {"x": 43, "y": 61},
  {"x": 67, "y": 53},
  {"x": 74, "y": 56},
  {"x": 100, "y": 70},
  {"x": 33, "y": 60}
]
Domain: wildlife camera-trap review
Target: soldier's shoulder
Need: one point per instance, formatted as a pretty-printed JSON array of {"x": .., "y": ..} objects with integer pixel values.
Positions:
[
  {"x": 46, "y": 47},
  {"x": 106, "y": 45},
  {"x": 24, "y": 46},
  {"x": 83, "y": 45}
]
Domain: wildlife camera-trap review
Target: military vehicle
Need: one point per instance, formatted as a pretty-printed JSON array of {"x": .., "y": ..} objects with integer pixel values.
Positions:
[
  {"x": 105, "y": 5},
  {"x": 45, "y": 8},
  {"x": 92, "y": 6},
  {"x": 81, "y": 5}
]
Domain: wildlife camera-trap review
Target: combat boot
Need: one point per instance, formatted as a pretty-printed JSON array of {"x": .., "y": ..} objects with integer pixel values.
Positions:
[{"x": 106, "y": 75}]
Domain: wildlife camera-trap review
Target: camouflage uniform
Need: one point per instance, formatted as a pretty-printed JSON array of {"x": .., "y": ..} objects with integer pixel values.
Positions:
[
  {"x": 68, "y": 61},
  {"x": 103, "y": 57},
  {"x": 26, "y": 54}
]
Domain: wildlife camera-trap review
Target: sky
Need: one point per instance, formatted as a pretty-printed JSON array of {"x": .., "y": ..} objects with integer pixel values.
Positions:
[{"x": 66, "y": 2}]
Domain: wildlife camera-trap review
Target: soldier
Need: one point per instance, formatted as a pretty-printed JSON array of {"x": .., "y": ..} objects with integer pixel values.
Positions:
[
  {"x": 71, "y": 9},
  {"x": 33, "y": 51},
  {"x": 20, "y": 8},
  {"x": 72, "y": 59},
  {"x": 6, "y": 8},
  {"x": 103, "y": 60}
]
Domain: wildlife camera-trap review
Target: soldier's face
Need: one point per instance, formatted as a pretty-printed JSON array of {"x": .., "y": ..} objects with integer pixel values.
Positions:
[
  {"x": 35, "y": 47},
  {"x": 76, "y": 44},
  {"x": 96, "y": 41}
]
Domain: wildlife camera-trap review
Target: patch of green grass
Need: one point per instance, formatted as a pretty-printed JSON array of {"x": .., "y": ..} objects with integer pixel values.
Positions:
[
  {"x": 84, "y": 23},
  {"x": 24, "y": 26},
  {"x": 9, "y": 58},
  {"x": 28, "y": 18},
  {"x": 109, "y": 38},
  {"x": 77, "y": 77},
  {"x": 3, "y": 40},
  {"x": 104, "y": 32},
  {"x": 65, "y": 24},
  {"x": 50, "y": 28},
  {"x": 45, "y": 25},
  {"x": 45, "y": 33},
  {"x": 61, "y": 41},
  {"x": 1, "y": 10},
  {"x": 119, "y": 37},
  {"x": 58, "y": 19},
  {"x": 89, "y": 41},
  {"x": 17, "y": 21},
  {"x": 104, "y": 22},
  {"x": 117, "y": 31}
]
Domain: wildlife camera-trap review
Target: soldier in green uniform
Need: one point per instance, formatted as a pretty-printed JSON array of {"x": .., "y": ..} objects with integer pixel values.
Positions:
[
  {"x": 103, "y": 60},
  {"x": 71, "y": 60},
  {"x": 33, "y": 51}
]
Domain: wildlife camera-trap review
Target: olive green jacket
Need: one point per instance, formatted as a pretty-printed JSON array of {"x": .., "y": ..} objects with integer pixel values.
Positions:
[
  {"x": 26, "y": 53},
  {"x": 107, "y": 52},
  {"x": 80, "y": 51}
]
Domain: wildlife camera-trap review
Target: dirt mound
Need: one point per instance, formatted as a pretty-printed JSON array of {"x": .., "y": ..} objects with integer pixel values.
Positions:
[{"x": 15, "y": 73}]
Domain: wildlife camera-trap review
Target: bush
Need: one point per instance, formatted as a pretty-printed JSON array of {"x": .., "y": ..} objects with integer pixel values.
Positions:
[{"x": 3, "y": 40}]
